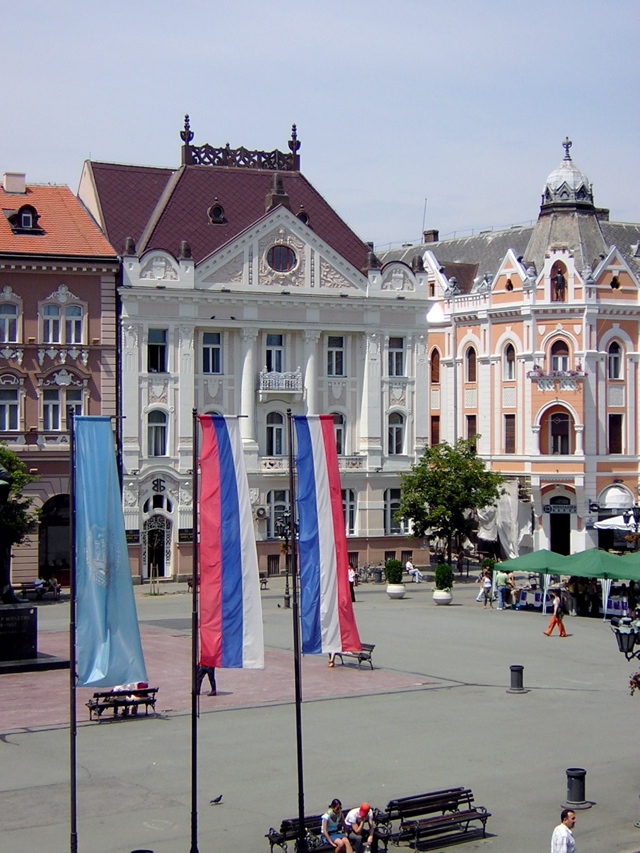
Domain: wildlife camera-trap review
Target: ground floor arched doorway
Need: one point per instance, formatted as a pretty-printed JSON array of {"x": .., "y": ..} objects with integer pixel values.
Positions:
[
  {"x": 156, "y": 547},
  {"x": 560, "y": 525},
  {"x": 54, "y": 539}
]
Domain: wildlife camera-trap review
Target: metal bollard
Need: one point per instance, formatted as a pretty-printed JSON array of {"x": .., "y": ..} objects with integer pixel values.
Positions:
[
  {"x": 517, "y": 679},
  {"x": 576, "y": 784}
]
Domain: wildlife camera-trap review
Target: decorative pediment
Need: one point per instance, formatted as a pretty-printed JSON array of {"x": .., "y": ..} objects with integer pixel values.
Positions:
[
  {"x": 62, "y": 295},
  {"x": 398, "y": 277},
  {"x": 159, "y": 267},
  {"x": 277, "y": 252}
]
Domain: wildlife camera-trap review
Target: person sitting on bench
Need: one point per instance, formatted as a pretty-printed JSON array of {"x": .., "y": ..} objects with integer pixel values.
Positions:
[
  {"x": 356, "y": 822},
  {"x": 333, "y": 828}
]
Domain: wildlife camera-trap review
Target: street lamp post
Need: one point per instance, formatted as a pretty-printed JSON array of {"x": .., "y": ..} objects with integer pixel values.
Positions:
[
  {"x": 283, "y": 530},
  {"x": 8, "y": 596},
  {"x": 634, "y": 513}
]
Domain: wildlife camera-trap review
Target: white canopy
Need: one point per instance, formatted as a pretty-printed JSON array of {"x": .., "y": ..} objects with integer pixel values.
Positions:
[{"x": 616, "y": 523}]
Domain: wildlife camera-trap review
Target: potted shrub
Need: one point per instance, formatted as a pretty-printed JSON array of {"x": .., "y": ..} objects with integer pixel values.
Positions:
[
  {"x": 395, "y": 586},
  {"x": 443, "y": 584}
]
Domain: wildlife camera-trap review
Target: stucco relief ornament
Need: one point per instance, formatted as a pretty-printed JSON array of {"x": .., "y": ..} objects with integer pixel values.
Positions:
[
  {"x": 159, "y": 269},
  {"x": 131, "y": 336},
  {"x": 62, "y": 294},
  {"x": 185, "y": 495},
  {"x": 130, "y": 496},
  {"x": 373, "y": 344},
  {"x": 530, "y": 281},
  {"x": 158, "y": 393},
  {"x": 397, "y": 393}
]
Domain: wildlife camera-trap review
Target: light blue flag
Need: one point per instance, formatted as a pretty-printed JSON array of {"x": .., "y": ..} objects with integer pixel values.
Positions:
[{"x": 108, "y": 645}]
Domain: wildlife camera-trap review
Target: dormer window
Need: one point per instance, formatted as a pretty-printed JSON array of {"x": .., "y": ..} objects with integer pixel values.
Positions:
[
  {"x": 24, "y": 220},
  {"x": 216, "y": 213}
]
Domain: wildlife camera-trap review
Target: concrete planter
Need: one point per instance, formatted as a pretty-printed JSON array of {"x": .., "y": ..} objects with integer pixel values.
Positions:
[
  {"x": 442, "y": 596},
  {"x": 396, "y": 590}
]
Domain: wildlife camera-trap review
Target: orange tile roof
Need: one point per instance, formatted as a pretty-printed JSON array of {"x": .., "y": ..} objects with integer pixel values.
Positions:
[{"x": 68, "y": 228}]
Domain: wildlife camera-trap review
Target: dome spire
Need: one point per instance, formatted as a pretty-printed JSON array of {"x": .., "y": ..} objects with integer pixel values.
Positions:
[{"x": 567, "y": 145}]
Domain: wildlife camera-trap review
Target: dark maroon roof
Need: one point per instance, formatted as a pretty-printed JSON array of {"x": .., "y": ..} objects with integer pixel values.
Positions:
[
  {"x": 131, "y": 197},
  {"x": 128, "y": 196}
]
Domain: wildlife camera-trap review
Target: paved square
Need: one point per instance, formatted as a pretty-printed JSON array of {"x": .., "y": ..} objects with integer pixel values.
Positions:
[{"x": 435, "y": 712}]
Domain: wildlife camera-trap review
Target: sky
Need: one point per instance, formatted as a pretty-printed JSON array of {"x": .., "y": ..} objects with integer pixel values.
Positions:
[{"x": 447, "y": 114}]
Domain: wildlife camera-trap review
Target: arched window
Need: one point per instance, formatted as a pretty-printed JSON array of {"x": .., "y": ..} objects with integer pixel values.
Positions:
[
  {"x": 560, "y": 356},
  {"x": 275, "y": 434},
  {"x": 8, "y": 323},
  {"x": 339, "y": 430},
  {"x": 559, "y": 424},
  {"x": 396, "y": 434},
  {"x": 614, "y": 361},
  {"x": 509, "y": 363},
  {"x": 157, "y": 433},
  {"x": 470, "y": 359},
  {"x": 157, "y": 502},
  {"x": 435, "y": 367}
]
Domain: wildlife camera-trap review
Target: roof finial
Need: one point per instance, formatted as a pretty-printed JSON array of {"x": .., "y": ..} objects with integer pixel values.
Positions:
[
  {"x": 567, "y": 145},
  {"x": 294, "y": 147},
  {"x": 186, "y": 135}
]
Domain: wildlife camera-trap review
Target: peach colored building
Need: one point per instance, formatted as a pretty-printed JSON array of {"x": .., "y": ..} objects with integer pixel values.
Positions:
[
  {"x": 533, "y": 345},
  {"x": 57, "y": 348}
]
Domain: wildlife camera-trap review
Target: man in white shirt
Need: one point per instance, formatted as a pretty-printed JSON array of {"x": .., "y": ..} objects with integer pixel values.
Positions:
[
  {"x": 355, "y": 822},
  {"x": 562, "y": 840},
  {"x": 415, "y": 573}
]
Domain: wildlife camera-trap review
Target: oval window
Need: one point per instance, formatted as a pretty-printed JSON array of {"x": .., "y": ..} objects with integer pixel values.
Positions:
[{"x": 281, "y": 258}]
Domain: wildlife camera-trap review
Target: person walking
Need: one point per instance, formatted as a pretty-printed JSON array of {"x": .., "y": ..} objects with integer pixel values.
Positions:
[
  {"x": 352, "y": 582},
  {"x": 209, "y": 671},
  {"x": 556, "y": 616},
  {"x": 562, "y": 840},
  {"x": 502, "y": 586},
  {"x": 487, "y": 584}
]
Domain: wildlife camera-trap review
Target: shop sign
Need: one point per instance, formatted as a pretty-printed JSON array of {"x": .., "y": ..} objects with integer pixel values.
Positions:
[{"x": 562, "y": 509}]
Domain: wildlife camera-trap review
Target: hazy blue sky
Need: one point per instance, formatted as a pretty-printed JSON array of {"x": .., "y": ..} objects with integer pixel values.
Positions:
[{"x": 462, "y": 102}]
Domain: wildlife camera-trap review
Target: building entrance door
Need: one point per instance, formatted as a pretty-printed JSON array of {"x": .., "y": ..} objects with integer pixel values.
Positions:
[
  {"x": 560, "y": 527},
  {"x": 156, "y": 543}
]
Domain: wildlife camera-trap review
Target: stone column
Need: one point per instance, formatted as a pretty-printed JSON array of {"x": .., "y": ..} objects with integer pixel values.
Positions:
[
  {"x": 311, "y": 338},
  {"x": 248, "y": 390}
]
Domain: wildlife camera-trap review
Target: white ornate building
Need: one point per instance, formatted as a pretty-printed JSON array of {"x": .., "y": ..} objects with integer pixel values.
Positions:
[{"x": 244, "y": 293}]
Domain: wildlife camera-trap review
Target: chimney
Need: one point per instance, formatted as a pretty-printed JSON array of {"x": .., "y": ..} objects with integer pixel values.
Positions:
[
  {"x": 276, "y": 195},
  {"x": 14, "y": 182},
  {"x": 431, "y": 236}
]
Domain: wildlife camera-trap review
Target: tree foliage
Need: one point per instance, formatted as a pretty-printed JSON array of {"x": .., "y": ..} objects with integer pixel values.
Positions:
[
  {"x": 18, "y": 516},
  {"x": 441, "y": 492}
]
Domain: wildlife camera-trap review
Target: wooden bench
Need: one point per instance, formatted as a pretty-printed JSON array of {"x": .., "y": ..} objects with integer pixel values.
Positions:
[
  {"x": 313, "y": 830},
  {"x": 40, "y": 589},
  {"x": 125, "y": 701},
  {"x": 363, "y": 656},
  {"x": 438, "y": 817}
]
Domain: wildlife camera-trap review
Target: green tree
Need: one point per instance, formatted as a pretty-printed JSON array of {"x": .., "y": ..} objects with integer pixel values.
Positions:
[
  {"x": 17, "y": 517},
  {"x": 442, "y": 491}
]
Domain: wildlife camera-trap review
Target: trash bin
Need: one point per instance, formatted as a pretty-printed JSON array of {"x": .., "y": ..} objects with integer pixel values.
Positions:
[{"x": 377, "y": 575}]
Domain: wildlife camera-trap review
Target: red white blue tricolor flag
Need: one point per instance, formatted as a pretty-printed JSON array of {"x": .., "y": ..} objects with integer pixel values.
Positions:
[
  {"x": 108, "y": 645},
  {"x": 230, "y": 607},
  {"x": 328, "y": 621}
]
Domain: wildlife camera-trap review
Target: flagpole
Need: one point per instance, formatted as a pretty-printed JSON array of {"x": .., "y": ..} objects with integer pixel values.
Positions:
[
  {"x": 194, "y": 642},
  {"x": 301, "y": 844},
  {"x": 73, "y": 722}
]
